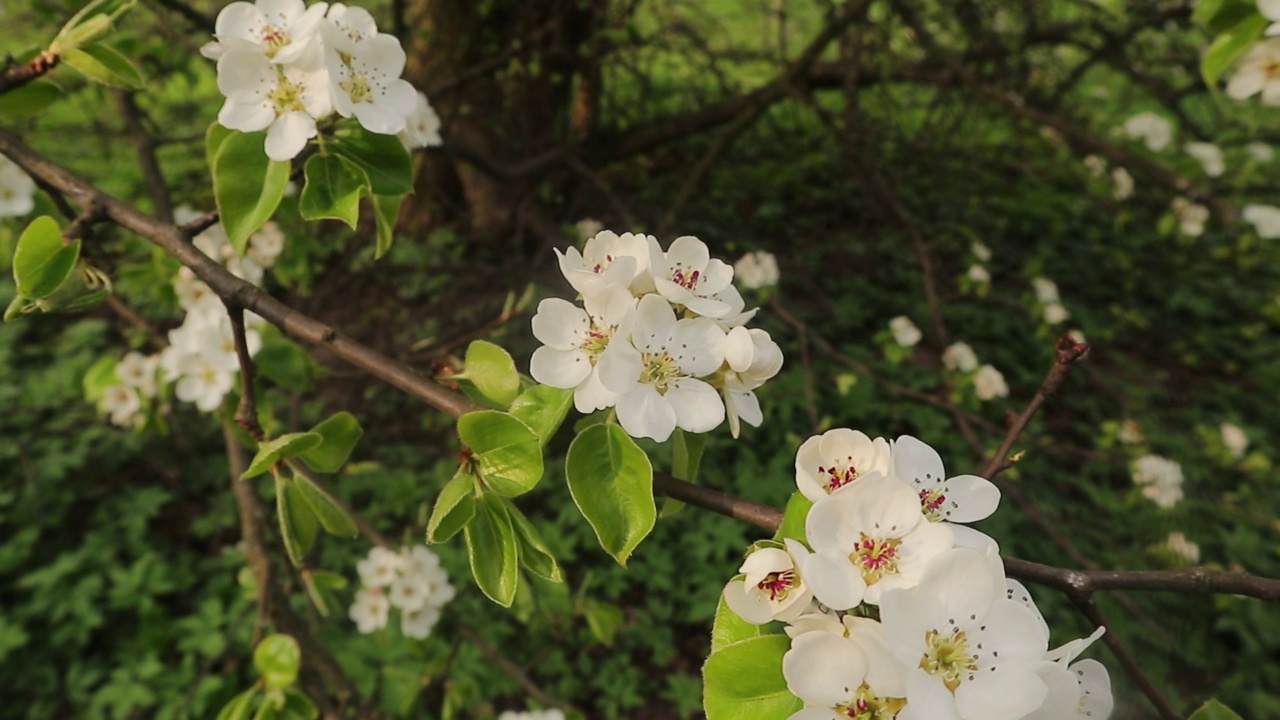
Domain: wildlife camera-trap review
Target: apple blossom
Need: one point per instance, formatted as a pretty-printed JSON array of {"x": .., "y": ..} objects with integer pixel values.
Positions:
[
  {"x": 122, "y": 403},
  {"x": 989, "y": 383},
  {"x": 1257, "y": 74},
  {"x": 1233, "y": 439},
  {"x": 1209, "y": 155},
  {"x": 960, "y": 499},
  {"x": 1056, "y": 313},
  {"x": 1150, "y": 128},
  {"x": 1160, "y": 479},
  {"x": 1264, "y": 218},
  {"x": 576, "y": 339},
  {"x": 366, "y": 83},
  {"x": 772, "y": 586},
  {"x": 751, "y": 358},
  {"x": 756, "y": 270},
  {"x": 689, "y": 277},
  {"x": 346, "y": 27},
  {"x": 419, "y": 623},
  {"x": 978, "y": 274},
  {"x": 279, "y": 30},
  {"x": 422, "y": 127},
  {"x": 284, "y": 100},
  {"x": 370, "y": 611},
  {"x": 959, "y": 356},
  {"x": 980, "y": 251},
  {"x": 609, "y": 258},
  {"x": 841, "y": 676},
  {"x": 1178, "y": 543},
  {"x": 203, "y": 382},
  {"x": 380, "y": 568},
  {"x": 1046, "y": 290},
  {"x": 17, "y": 190},
  {"x": 138, "y": 371},
  {"x": 905, "y": 332},
  {"x": 830, "y": 461},
  {"x": 1122, "y": 184}
]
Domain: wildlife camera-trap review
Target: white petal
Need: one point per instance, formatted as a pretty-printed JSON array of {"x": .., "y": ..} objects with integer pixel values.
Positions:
[
  {"x": 929, "y": 699},
  {"x": 823, "y": 668},
  {"x": 591, "y": 395},
  {"x": 644, "y": 413},
  {"x": 560, "y": 324},
  {"x": 289, "y": 134},
  {"x": 654, "y": 322},
  {"x": 697, "y": 345},
  {"x": 619, "y": 366},
  {"x": 969, "y": 498},
  {"x": 559, "y": 368},
  {"x": 750, "y": 606},
  {"x": 246, "y": 117},
  {"x": 738, "y": 349},
  {"x": 1009, "y": 692},
  {"x": 697, "y": 405},
  {"x": 917, "y": 463},
  {"x": 1095, "y": 685},
  {"x": 834, "y": 580}
]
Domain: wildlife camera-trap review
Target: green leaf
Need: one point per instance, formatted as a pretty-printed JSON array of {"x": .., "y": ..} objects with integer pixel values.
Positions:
[
  {"x": 384, "y": 162},
  {"x": 213, "y": 139},
  {"x": 284, "y": 363},
  {"x": 507, "y": 453},
  {"x": 333, "y": 517},
  {"x": 492, "y": 371},
  {"x": 247, "y": 185},
  {"x": 41, "y": 262},
  {"x": 1214, "y": 710},
  {"x": 729, "y": 628},
  {"x": 454, "y": 508},
  {"x": 270, "y": 707},
  {"x": 534, "y": 553},
  {"x": 1218, "y": 15},
  {"x": 102, "y": 63},
  {"x": 297, "y": 705},
  {"x": 492, "y": 550},
  {"x": 332, "y": 190},
  {"x": 1229, "y": 46},
  {"x": 277, "y": 659},
  {"x": 297, "y": 521},
  {"x": 793, "y": 518},
  {"x": 100, "y": 376},
  {"x": 543, "y": 409},
  {"x": 239, "y": 707},
  {"x": 29, "y": 100},
  {"x": 328, "y": 580},
  {"x": 744, "y": 681},
  {"x": 386, "y": 209},
  {"x": 611, "y": 481},
  {"x": 339, "y": 435},
  {"x": 686, "y": 457},
  {"x": 281, "y": 448},
  {"x": 604, "y": 620}
]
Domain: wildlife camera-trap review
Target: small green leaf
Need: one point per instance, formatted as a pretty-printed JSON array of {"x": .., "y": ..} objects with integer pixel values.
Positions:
[
  {"x": 1218, "y": 15},
  {"x": 239, "y": 707},
  {"x": 102, "y": 63},
  {"x": 534, "y": 553},
  {"x": 793, "y": 518},
  {"x": 1212, "y": 709},
  {"x": 543, "y": 409},
  {"x": 328, "y": 580},
  {"x": 507, "y": 453},
  {"x": 297, "y": 705},
  {"x": 744, "y": 681},
  {"x": 281, "y": 448},
  {"x": 492, "y": 371},
  {"x": 20, "y": 306},
  {"x": 454, "y": 508},
  {"x": 277, "y": 659},
  {"x": 332, "y": 190},
  {"x": 611, "y": 481},
  {"x": 100, "y": 376},
  {"x": 270, "y": 707},
  {"x": 297, "y": 521},
  {"x": 339, "y": 434},
  {"x": 29, "y": 100},
  {"x": 492, "y": 550},
  {"x": 381, "y": 158},
  {"x": 247, "y": 185},
  {"x": 333, "y": 517},
  {"x": 41, "y": 262},
  {"x": 729, "y": 628},
  {"x": 386, "y": 209},
  {"x": 213, "y": 139},
  {"x": 1230, "y": 45},
  {"x": 604, "y": 620}
]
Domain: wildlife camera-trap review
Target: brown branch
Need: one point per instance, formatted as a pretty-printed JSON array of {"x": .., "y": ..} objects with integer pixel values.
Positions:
[
  {"x": 152, "y": 176},
  {"x": 1131, "y": 666},
  {"x": 247, "y": 409},
  {"x": 15, "y": 76},
  {"x": 1191, "y": 580}
]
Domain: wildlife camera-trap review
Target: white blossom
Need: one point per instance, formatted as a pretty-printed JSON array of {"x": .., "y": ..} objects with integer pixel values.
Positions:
[
  {"x": 835, "y": 459},
  {"x": 284, "y": 100},
  {"x": 1122, "y": 184},
  {"x": 588, "y": 228},
  {"x": 365, "y": 82},
  {"x": 980, "y": 251},
  {"x": 979, "y": 274},
  {"x": 1209, "y": 155},
  {"x": 1046, "y": 290},
  {"x": 370, "y": 611},
  {"x": 17, "y": 190},
  {"x": 576, "y": 339},
  {"x": 1150, "y": 128},
  {"x": 1260, "y": 151},
  {"x": 419, "y": 623},
  {"x": 756, "y": 270},
  {"x": 772, "y": 586},
  {"x": 122, "y": 403},
  {"x": 1178, "y": 543},
  {"x": 279, "y": 30},
  {"x": 1096, "y": 166},
  {"x": 1191, "y": 216},
  {"x": 422, "y": 128},
  {"x": 346, "y": 27},
  {"x": 751, "y": 358},
  {"x": 266, "y": 244},
  {"x": 989, "y": 383},
  {"x": 1055, "y": 313},
  {"x": 689, "y": 277},
  {"x": 1130, "y": 433},
  {"x": 609, "y": 258},
  {"x": 959, "y": 356},
  {"x": 1233, "y": 439},
  {"x": 203, "y": 382},
  {"x": 380, "y": 568},
  {"x": 1258, "y": 72},
  {"x": 409, "y": 591},
  {"x": 1160, "y": 479},
  {"x": 905, "y": 332},
  {"x": 960, "y": 499},
  {"x": 1264, "y": 218},
  {"x": 139, "y": 372},
  {"x": 845, "y": 672},
  {"x": 549, "y": 714}
]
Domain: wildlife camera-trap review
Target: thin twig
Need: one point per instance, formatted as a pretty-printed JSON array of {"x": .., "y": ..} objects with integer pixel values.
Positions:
[
  {"x": 247, "y": 409},
  {"x": 16, "y": 76}
]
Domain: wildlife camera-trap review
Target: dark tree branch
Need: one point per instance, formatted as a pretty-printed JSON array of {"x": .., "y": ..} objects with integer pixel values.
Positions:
[{"x": 15, "y": 76}]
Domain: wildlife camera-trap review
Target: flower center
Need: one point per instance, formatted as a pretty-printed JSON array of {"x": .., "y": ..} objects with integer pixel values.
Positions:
[
  {"x": 274, "y": 38},
  {"x": 948, "y": 657},
  {"x": 358, "y": 87},
  {"x": 1272, "y": 69},
  {"x": 660, "y": 370},
  {"x": 876, "y": 556},
  {"x": 600, "y": 266},
  {"x": 287, "y": 96},
  {"x": 596, "y": 341},
  {"x": 688, "y": 281},
  {"x": 838, "y": 477},
  {"x": 778, "y": 584},
  {"x": 931, "y": 502},
  {"x": 867, "y": 705}
]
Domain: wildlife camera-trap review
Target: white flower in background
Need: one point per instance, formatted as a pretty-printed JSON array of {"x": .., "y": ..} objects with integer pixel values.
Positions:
[
  {"x": 122, "y": 403},
  {"x": 1209, "y": 155},
  {"x": 1150, "y": 128},
  {"x": 575, "y": 339},
  {"x": 980, "y": 251},
  {"x": 424, "y": 565},
  {"x": 657, "y": 374},
  {"x": 1096, "y": 166},
  {"x": 989, "y": 383},
  {"x": 609, "y": 258},
  {"x": 17, "y": 190},
  {"x": 1260, "y": 151},
  {"x": 266, "y": 244},
  {"x": 409, "y": 591},
  {"x": 380, "y": 568},
  {"x": 203, "y": 382},
  {"x": 751, "y": 358},
  {"x": 1191, "y": 216},
  {"x": 868, "y": 539},
  {"x": 589, "y": 228},
  {"x": 279, "y": 30},
  {"x": 1182, "y": 547},
  {"x": 1234, "y": 439},
  {"x": 1055, "y": 313},
  {"x": 1046, "y": 290},
  {"x": 772, "y": 587},
  {"x": 1130, "y": 433},
  {"x": 971, "y": 653},
  {"x": 959, "y": 499},
  {"x": 367, "y": 84},
  {"x": 1077, "y": 335},
  {"x": 688, "y": 276},
  {"x": 756, "y": 270},
  {"x": 422, "y": 129},
  {"x": 959, "y": 356},
  {"x": 549, "y": 714},
  {"x": 905, "y": 332},
  {"x": 369, "y": 611},
  {"x": 419, "y": 623},
  {"x": 1121, "y": 184},
  {"x": 139, "y": 372},
  {"x": 1264, "y": 218},
  {"x": 285, "y": 100},
  {"x": 827, "y": 462},
  {"x": 979, "y": 274},
  {"x": 1160, "y": 479},
  {"x": 1258, "y": 72}
]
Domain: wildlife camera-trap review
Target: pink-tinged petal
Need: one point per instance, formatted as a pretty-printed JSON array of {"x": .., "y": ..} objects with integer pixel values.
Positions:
[
  {"x": 824, "y": 668},
  {"x": 697, "y": 345},
  {"x": 1009, "y": 692},
  {"x": 697, "y": 405},
  {"x": 969, "y": 498},
  {"x": 559, "y": 368},
  {"x": 246, "y": 117},
  {"x": 1095, "y": 688},
  {"x": 619, "y": 366},
  {"x": 834, "y": 580},
  {"x": 654, "y": 322},
  {"x": 929, "y": 699},
  {"x": 750, "y": 606},
  {"x": 560, "y": 324},
  {"x": 917, "y": 463},
  {"x": 236, "y": 21},
  {"x": 644, "y": 413},
  {"x": 591, "y": 395},
  {"x": 738, "y": 349},
  {"x": 289, "y": 134}
]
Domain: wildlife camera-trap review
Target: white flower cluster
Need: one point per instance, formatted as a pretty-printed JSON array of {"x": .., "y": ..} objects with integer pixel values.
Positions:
[
  {"x": 551, "y": 714},
  {"x": 411, "y": 580},
  {"x": 661, "y": 336},
  {"x": 756, "y": 270},
  {"x": 1178, "y": 544},
  {"x": 1160, "y": 479},
  {"x": 904, "y": 331},
  {"x": 1150, "y": 128},
  {"x": 988, "y": 382},
  {"x": 17, "y": 190},
  {"x": 1191, "y": 216},
  {"x": 1264, "y": 218},
  {"x": 201, "y": 356},
  {"x": 1209, "y": 155},
  {"x": 1055, "y": 312},
  {"x": 954, "y": 637},
  {"x": 1234, "y": 439},
  {"x": 282, "y": 66}
]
